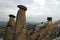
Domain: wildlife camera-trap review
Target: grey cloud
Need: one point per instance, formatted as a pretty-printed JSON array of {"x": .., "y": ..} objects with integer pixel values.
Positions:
[
  {"x": 50, "y": 9},
  {"x": 24, "y": 2},
  {"x": 6, "y": 8},
  {"x": 34, "y": 13},
  {"x": 10, "y": 7}
]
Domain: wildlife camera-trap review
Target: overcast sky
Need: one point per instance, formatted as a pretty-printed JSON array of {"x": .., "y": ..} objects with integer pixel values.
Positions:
[{"x": 37, "y": 10}]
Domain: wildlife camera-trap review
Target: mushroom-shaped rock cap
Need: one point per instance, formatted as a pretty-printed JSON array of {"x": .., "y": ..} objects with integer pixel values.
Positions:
[
  {"x": 49, "y": 18},
  {"x": 11, "y": 16},
  {"x": 22, "y": 7}
]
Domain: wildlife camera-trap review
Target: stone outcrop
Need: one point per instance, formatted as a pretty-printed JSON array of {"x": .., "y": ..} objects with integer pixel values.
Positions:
[
  {"x": 21, "y": 31},
  {"x": 10, "y": 27},
  {"x": 47, "y": 32}
]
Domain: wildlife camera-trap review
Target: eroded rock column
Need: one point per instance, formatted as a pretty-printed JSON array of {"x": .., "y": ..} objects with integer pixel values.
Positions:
[
  {"x": 21, "y": 23},
  {"x": 51, "y": 28},
  {"x": 10, "y": 27},
  {"x": 11, "y": 22},
  {"x": 50, "y": 25},
  {"x": 46, "y": 33}
]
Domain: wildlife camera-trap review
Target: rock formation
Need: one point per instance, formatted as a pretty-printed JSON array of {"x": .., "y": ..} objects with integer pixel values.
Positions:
[
  {"x": 10, "y": 27},
  {"x": 21, "y": 32},
  {"x": 46, "y": 33}
]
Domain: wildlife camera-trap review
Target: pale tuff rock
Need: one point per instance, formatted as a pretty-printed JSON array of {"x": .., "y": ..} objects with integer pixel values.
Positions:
[
  {"x": 21, "y": 23},
  {"x": 10, "y": 29}
]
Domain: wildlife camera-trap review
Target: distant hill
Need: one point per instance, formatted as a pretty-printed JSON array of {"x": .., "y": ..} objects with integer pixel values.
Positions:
[
  {"x": 3, "y": 24},
  {"x": 29, "y": 24}
]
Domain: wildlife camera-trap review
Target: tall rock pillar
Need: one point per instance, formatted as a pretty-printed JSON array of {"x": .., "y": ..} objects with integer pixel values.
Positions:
[
  {"x": 21, "y": 23},
  {"x": 10, "y": 27},
  {"x": 50, "y": 25},
  {"x": 51, "y": 28},
  {"x": 46, "y": 33},
  {"x": 11, "y": 22}
]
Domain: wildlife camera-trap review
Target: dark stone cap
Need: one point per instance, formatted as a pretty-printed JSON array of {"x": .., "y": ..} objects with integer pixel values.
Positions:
[
  {"x": 11, "y": 16},
  {"x": 49, "y": 18},
  {"x": 22, "y": 7}
]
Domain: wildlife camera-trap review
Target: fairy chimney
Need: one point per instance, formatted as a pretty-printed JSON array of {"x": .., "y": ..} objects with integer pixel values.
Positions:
[
  {"x": 11, "y": 22},
  {"x": 48, "y": 30},
  {"x": 10, "y": 29},
  {"x": 49, "y": 19},
  {"x": 21, "y": 23}
]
